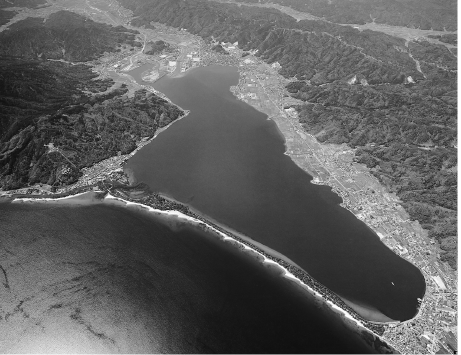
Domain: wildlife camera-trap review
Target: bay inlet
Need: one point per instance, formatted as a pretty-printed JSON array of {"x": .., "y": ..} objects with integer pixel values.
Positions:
[{"x": 226, "y": 160}]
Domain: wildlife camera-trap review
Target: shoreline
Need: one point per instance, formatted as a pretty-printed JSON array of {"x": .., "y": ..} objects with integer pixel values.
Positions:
[
  {"x": 286, "y": 265},
  {"x": 312, "y": 175},
  {"x": 215, "y": 226},
  {"x": 315, "y": 178},
  {"x": 263, "y": 253},
  {"x": 286, "y": 268},
  {"x": 117, "y": 165},
  {"x": 118, "y": 173},
  {"x": 233, "y": 231},
  {"x": 243, "y": 241}
]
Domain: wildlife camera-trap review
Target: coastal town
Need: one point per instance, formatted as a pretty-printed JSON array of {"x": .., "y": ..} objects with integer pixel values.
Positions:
[{"x": 434, "y": 328}]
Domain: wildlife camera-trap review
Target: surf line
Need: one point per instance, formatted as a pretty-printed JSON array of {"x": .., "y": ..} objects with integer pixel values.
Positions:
[{"x": 290, "y": 272}]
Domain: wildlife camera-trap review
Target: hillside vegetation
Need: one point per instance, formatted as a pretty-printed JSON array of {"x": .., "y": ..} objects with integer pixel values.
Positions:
[
  {"x": 437, "y": 15},
  {"x": 45, "y": 102},
  {"x": 7, "y": 15},
  {"x": 64, "y": 35}
]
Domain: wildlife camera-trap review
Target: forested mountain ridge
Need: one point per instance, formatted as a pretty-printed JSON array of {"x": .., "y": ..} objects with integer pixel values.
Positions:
[
  {"x": 52, "y": 104},
  {"x": 393, "y": 100},
  {"x": 5, "y": 15},
  {"x": 438, "y": 15},
  {"x": 303, "y": 48},
  {"x": 64, "y": 35}
]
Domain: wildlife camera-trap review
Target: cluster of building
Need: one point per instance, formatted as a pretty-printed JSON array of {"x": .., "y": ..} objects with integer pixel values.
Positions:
[{"x": 192, "y": 60}]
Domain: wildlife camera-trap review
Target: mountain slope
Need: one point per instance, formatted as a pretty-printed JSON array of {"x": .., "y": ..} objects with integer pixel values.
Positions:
[
  {"x": 56, "y": 117},
  {"x": 64, "y": 35},
  {"x": 424, "y": 14}
]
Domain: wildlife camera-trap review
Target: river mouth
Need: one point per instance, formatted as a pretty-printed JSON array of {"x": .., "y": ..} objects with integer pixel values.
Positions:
[{"x": 227, "y": 160}]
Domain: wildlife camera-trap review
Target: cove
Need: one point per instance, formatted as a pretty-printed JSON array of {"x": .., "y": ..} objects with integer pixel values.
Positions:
[{"x": 226, "y": 160}]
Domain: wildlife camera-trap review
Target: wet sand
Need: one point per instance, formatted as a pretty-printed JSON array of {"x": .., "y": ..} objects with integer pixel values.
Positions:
[
  {"x": 84, "y": 198},
  {"x": 369, "y": 313}
]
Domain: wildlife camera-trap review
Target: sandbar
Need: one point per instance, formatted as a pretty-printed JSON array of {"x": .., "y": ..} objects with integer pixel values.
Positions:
[{"x": 98, "y": 197}]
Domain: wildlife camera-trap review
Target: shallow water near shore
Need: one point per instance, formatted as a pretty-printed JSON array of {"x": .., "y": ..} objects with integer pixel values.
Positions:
[
  {"x": 100, "y": 278},
  {"x": 227, "y": 160}
]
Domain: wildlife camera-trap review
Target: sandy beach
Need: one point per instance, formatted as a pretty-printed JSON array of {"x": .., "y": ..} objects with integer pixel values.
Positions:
[
  {"x": 95, "y": 197},
  {"x": 369, "y": 313},
  {"x": 366, "y": 312},
  {"x": 287, "y": 274},
  {"x": 84, "y": 198},
  {"x": 234, "y": 232}
]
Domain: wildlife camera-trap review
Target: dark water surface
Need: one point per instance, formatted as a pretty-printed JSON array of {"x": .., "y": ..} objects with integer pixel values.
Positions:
[
  {"x": 110, "y": 279},
  {"x": 227, "y": 160}
]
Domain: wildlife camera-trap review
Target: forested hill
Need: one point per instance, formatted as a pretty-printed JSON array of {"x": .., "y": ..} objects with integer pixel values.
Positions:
[
  {"x": 6, "y": 15},
  {"x": 309, "y": 50},
  {"x": 64, "y": 35},
  {"x": 47, "y": 103},
  {"x": 437, "y": 15},
  {"x": 395, "y": 101}
]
